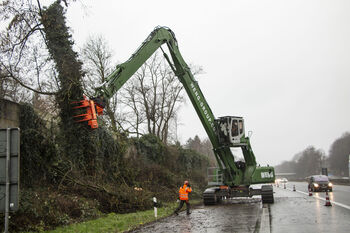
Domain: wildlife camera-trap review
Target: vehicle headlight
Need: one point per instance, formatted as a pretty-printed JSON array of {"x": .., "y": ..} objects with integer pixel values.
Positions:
[
  {"x": 330, "y": 184},
  {"x": 316, "y": 185}
]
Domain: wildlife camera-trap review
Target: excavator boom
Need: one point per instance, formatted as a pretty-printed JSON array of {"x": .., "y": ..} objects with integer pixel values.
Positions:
[{"x": 224, "y": 132}]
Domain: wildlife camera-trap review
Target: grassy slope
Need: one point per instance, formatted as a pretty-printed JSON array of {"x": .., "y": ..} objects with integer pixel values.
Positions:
[{"x": 120, "y": 222}]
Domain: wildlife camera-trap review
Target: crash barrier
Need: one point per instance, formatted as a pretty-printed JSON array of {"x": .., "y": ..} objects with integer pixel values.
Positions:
[{"x": 344, "y": 181}]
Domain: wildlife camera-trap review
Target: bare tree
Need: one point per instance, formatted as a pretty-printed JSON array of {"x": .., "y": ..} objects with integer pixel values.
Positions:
[
  {"x": 132, "y": 112},
  {"x": 339, "y": 155},
  {"x": 286, "y": 167},
  {"x": 97, "y": 57},
  {"x": 207, "y": 149},
  {"x": 152, "y": 97},
  {"x": 203, "y": 147},
  {"x": 37, "y": 52},
  {"x": 25, "y": 64},
  {"x": 194, "y": 144},
  {"x": 304, "y": 163}
]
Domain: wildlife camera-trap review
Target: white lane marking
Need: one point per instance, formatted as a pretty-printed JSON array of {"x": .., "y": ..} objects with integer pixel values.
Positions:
[
  {"x": 323, "y": 199},
  {"x": 265, "y": 220}
]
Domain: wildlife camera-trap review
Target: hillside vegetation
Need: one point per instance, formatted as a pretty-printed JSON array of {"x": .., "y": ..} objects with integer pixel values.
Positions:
[
  {"x": 69, "y": 172},
  {"x": 125, "y": 175}
]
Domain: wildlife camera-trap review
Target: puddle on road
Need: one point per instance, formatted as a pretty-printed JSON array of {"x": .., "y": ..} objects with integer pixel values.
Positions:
[{"x": 232, "y": 215}]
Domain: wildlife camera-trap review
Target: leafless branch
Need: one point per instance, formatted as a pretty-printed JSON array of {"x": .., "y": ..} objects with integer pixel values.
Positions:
[{"x": 10, "y": 75}]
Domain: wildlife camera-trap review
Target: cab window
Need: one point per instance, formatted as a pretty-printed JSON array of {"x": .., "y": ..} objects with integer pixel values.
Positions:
[
  {"x": 234, "y": 132},
  {"x": 240, "y": 126}
]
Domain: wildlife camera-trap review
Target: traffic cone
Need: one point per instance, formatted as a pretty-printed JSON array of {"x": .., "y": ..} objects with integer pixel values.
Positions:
[
  {"x": 310, "y": 193},
  {"x": 328, "y": 202},
  {"x": 294, "y": 188}
]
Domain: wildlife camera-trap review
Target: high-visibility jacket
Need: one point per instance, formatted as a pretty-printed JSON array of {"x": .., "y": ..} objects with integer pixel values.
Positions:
[{"x": 183, "y": 192}]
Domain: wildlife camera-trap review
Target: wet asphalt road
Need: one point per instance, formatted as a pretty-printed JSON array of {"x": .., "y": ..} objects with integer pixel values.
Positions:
[
  {"x": 340, "y": 194},
  {"x": 291, "y": 212},
  {"x": 242, "y": 215},
  {"x": 298, "y": 212}
]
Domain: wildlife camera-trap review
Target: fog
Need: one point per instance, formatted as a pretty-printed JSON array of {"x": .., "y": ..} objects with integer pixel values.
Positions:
[{"x": 282, "y": 65}]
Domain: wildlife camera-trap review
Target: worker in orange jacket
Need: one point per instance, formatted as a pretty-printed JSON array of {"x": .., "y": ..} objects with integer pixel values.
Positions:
[{"x": 183, "y": 196}]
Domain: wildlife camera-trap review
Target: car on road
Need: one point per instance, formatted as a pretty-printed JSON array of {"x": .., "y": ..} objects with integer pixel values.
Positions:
[
  {"x": 284, "y": 181},
  {"x": 277, "y": 181},
  {"x": 281, "y": 181},
  {"x": 319, "y": 183}
]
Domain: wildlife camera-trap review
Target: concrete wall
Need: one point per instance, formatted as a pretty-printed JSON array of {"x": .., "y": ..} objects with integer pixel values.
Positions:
[{"x": 9, "y": 114}]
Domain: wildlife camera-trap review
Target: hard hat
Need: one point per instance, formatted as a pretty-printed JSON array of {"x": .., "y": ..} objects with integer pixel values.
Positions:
[{"x": 186, "y": 182}]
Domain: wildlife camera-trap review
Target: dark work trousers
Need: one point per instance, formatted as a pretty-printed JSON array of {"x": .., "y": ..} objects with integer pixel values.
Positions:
[{"x": 182, "y": 204}]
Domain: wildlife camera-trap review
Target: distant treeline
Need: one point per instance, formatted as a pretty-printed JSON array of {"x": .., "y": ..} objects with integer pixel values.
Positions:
[{"x": 311, "y": 160}]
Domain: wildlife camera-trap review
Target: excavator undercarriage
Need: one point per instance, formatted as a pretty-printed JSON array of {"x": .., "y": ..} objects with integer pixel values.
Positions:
[{"x": 215, "y": 195}]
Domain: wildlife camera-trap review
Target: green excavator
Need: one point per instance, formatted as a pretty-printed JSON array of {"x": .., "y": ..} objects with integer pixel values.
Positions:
[{"x": 231, "y": 178}]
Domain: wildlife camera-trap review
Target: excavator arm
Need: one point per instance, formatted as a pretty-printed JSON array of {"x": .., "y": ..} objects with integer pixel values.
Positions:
[
  {"x": 224, "y": 133},
  {"x": 122, "y": 73}
]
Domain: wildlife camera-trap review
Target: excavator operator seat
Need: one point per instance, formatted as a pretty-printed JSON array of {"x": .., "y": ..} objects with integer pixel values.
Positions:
[{"x": 230, "y": 129}]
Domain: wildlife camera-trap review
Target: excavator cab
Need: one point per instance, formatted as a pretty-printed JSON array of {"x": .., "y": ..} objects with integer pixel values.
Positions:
[{"x": 230, "y": 129}]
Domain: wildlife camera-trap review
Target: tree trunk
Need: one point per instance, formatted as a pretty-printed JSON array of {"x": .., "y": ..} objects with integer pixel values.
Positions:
[{"x": 77, "y": 139}]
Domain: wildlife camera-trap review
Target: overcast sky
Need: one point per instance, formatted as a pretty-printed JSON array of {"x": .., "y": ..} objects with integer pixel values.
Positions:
[{"x": 282, "y": 65}]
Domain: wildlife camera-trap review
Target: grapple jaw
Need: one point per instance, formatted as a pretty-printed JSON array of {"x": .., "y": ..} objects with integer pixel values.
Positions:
[{"x": 88, "y": 111}]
